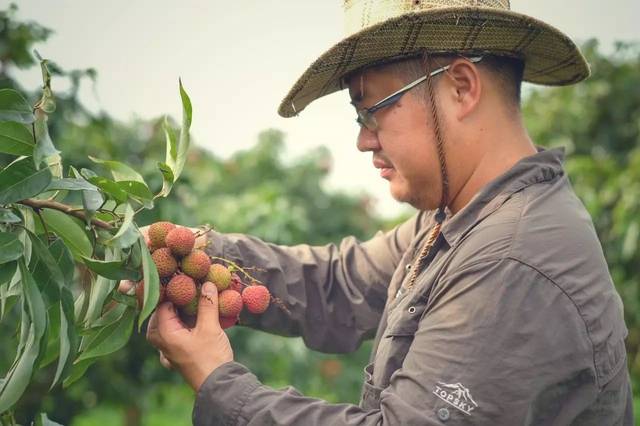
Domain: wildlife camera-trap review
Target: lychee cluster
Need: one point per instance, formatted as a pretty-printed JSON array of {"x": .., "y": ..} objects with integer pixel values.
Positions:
[{"x": 183, "y": 269}]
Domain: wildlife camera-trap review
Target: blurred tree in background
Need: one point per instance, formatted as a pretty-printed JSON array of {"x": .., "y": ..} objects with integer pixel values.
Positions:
[{"x": 257, "y": 192}]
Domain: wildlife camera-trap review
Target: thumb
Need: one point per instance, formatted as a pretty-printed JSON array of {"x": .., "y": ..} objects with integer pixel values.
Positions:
[{"x": 208, "y": 308}]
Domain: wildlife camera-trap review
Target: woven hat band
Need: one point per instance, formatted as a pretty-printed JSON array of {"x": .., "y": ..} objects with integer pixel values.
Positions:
[{"x": 361, "y": 14}]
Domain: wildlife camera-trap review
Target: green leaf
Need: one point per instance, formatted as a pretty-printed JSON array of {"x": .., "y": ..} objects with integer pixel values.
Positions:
[
  {"x": 47, "y": 102},
  {"x": 77, "y": 371},
  {"x": 151, "y": 283},
  {"x": 176, "y": 151},
  {"x": 7, "y": 216},
  {"x": 20, "y": 180},
  {"x": 71, "y": 184},
  {"x": 110, "y": 338},
  {"x": 113, "y": 314},
  {"x": 15, "y": 139},
  {"x": 69, "y": 230},
  {"x": 167, "y": 179},
  {"x": 125, "y": 299},
  {"x": 116, "y": 270},
  {"x": 64, "y": 260},
  {"x": 10, "y": 247},
  {"x": 119, "y": 170},
  {"x": 14, "y": 107},
  {"x": 184, "y": 141},
  {"x": 7, "y": 272},
  {"x": 128, "y": 232},
  {"x": 45, "y": 150},
  {"x": 110, "y": 188},
  {"x": 18, "y": 378},
  {"x": 100, "y": 289},
  {"x": 136, "y": 189},
  {"x": 68, "y": 337}
]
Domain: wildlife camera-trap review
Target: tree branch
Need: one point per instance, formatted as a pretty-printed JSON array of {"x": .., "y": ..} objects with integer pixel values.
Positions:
[{"x": 54, "y": 205}]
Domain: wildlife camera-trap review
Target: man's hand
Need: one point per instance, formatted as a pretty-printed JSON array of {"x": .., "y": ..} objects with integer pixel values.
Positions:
[{"x": 195, "y": 352}]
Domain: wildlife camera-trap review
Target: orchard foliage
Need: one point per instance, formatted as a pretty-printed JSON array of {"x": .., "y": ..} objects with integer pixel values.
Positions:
[{"x": 61, "y": 226}]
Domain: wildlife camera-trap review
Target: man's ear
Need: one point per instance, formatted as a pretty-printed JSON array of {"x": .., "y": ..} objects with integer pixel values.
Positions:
[{"x": 464, "y": 88}]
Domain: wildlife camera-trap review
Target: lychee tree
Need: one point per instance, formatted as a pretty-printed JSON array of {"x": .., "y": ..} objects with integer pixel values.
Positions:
[{"x": 67, "y": 237}]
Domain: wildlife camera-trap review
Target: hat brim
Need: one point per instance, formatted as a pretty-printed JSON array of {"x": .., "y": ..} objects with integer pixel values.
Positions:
[{"x": 550, "y": 57}]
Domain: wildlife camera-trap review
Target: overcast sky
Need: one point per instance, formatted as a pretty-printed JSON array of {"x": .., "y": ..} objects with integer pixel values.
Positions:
[{"x": 239, "y": 58}]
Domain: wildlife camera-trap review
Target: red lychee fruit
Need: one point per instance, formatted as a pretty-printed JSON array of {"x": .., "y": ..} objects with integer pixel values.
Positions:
[
  {"x": 140, "y": 294},
  {"x": 236, "y": 283},
  {"x": 256, "y": 298},
  {"x": 165, "y": 262},
  {"x": 158, "y": 232},
  {"x": 220, "y": 276},
  {"x": 196, "y": 264},
  {"x": 229, "y": 303},
  {"x": 181, "y": 290},
  {"x": 226, "y": 322},
  {"x": 180, "y": 241},
  {"x": 150, "y": 245}
]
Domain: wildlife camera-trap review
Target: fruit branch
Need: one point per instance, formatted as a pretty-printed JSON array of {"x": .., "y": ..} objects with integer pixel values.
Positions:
[
  {"x": 236, "y": 266},
  {"x": 54, "y": 205}
]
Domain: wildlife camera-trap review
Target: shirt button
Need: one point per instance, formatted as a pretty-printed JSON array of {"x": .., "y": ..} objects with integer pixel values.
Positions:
[{"x": 443, "y": 414}]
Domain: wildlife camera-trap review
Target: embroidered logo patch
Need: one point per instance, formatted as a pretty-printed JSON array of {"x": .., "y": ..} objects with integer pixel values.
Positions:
[{"x": 456, "y": 395}]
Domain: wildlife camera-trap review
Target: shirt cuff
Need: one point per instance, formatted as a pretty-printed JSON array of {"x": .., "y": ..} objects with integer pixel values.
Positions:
[{"x": 220, "y": 399}]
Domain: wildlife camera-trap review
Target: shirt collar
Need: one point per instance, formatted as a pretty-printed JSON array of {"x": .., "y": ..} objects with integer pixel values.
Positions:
[{"x": 543, "y": 166}]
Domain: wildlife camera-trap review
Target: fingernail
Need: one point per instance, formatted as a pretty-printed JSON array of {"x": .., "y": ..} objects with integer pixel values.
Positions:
[{"x": 208, "y": 288}]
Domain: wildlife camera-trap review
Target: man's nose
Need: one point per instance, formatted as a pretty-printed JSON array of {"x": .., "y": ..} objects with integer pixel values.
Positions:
[{"x": 367, "y": 140}]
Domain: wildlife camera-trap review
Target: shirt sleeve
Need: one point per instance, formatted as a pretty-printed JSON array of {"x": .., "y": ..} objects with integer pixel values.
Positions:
[
  {"x": 498, "y": 344},
  {"x": 335, "y": 294}
]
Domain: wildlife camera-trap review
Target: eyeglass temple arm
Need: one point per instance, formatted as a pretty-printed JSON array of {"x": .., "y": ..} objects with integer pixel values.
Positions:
[{"x": 393, "y": 97}]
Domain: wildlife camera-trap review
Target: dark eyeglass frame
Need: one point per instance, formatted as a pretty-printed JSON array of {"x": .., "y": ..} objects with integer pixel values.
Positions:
[{"x": 365, "y": 115}]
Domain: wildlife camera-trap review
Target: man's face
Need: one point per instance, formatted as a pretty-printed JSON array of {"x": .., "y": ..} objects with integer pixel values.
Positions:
[{"x": 403, "y": 145}]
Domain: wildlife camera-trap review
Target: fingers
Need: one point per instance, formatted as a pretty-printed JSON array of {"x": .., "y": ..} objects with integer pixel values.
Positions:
[
  {"x": 152, "y": 330},
  {"x": 165, "y": 361},
  {"x": 168, "y": 320},
  {"x": 208, "y": 321}
]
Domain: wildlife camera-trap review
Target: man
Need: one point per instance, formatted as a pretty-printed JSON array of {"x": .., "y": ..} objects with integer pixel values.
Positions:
[{"x": 493, "y": 305}]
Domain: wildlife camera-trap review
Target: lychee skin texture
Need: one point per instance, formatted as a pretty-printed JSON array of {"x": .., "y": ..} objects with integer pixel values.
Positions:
[
  {"x": 226, "y": 322},
  {"x": 181, "y": 290},
  {"x": 180, "y": 241},
  {"x": 140, "y": 294},
  {"x": 229, "y": 303},
  {"x": 256, "y": 298},
  {"x": 158, "y": 232},
  {"x": 196, "y": 264},
  {"x": 166, "y": 264},
  {"x": 220, "y": 276}
]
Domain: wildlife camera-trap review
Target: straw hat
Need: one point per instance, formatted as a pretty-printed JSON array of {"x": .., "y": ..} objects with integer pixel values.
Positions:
[{"x": 379, "y": 30}]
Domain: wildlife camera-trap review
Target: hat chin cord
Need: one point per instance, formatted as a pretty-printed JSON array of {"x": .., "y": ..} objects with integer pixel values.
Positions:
[{"x": 440, "y": 214}]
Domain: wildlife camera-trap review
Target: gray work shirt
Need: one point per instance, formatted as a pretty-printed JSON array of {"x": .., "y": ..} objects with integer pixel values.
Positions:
[{"x": 513, "y": 318}]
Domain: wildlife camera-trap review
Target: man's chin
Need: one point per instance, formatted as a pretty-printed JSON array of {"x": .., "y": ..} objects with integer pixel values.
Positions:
[{"x": 406, "y": 197}]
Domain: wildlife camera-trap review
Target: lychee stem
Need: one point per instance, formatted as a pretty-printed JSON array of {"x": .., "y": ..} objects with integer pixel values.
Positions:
[
  {"x": 205, "y": 229},
  {"x": 235, "y": 265}
]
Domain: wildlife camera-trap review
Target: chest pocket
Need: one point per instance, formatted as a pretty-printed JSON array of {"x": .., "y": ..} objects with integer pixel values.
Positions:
[{"x": 396, "y": 340}]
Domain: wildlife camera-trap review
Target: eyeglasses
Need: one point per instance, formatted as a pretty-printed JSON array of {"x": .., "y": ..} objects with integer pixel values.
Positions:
[{"x": 365, "y": 115}]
